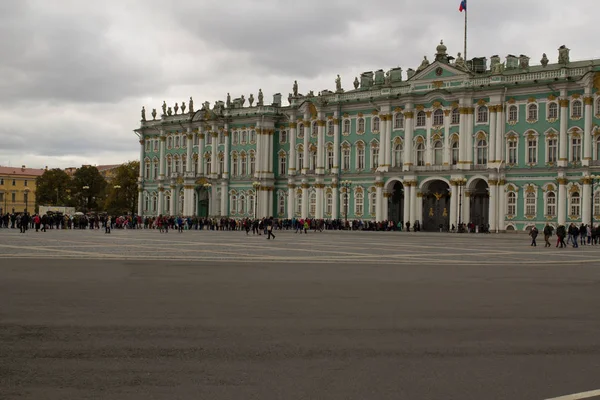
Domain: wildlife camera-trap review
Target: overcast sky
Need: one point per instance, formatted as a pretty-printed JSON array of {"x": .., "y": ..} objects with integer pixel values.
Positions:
[{"x": 74, "y": 74}]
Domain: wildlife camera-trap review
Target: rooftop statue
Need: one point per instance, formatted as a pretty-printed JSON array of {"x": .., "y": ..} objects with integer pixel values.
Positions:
[
  {"x": 143, "y": 113},
  {"x": 338, "y": 84},
  {"x": 176, "y": 108},
  {"x": 260, "y": 98},
  {"x": 183, "y": 107},
  {"x": 295, "y": 88},
  {"x": 243, "y": 100},
  {"x": 169, "y": 112},
  {"x": 290, "y": 98},
  {"x": 424, "y": 64},
  {"x": 356, "y": 83},
  {"x": 563, "y": 55},
  {"x": 251, "y": 99},
  {"x": 154, "y": 113},
  {"x": 460, "y": 62},
  {"x": 164, "y": 108},
  {"x": 544, "y": 61},
  {"x": 191, "y": 107}
]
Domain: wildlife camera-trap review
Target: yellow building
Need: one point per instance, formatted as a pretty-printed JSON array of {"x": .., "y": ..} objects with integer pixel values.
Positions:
[{"x": 17, "y": 189}]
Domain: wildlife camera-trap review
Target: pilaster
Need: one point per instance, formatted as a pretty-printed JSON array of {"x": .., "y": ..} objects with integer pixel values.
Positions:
[
  {"x": 563, "y": 141},
  {"x": 587, "y": 130},
  {"x": 409, "y": 127},
  {"x": 562, "y": 200}
]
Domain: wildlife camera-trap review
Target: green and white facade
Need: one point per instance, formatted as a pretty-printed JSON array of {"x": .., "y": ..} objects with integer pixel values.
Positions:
[{"x": 510, "y": 146}]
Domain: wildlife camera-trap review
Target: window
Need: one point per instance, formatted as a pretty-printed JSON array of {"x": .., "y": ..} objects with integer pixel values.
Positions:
[
  {"x": 455, "y": 152},
  {"x": 2, "y": 181},
  {"x": 301, "y": 131},
  {"x": 169, "y": 142},
  {"x": 438, "y": 117},
  {"x": 234, "y": 167},
  {"x": 375, "y": 124},
  {"x": 512, "y": 152},
  {"x": 360, "y": 157},
  {"x": 361, "y": 124},
  {"x": 596, "y": 152},
  {"x": 155, "y": 145},
  {"x": 155, "y": 169},
  {"x": 346, "y": 129},
  {"x": 14, "y": 197},
  {"x": 482, "y": 114},
  {"x": 315, "y": 129},
  {"x": 576, "y": 149},
  {"x": 313, "y": 159},
  {"x": 1, "y": 197},
  {"x": 25, "y": 183},
  {"x": 532, "y": 150},
  {"x": 513, "y": 114},
  {"x": 242, "y": 204},
  {"x": 281, "y": 205},
  {"x": 420, "y": 154},
  {"x": 532, "y": 112},
  {"x": 421, "y": 118},
  {"x": 330, "y": 128},
  {"x": 530, "y": 204},
  {"x": 184, "y": 142},
  {"x": 398, "y": 155},
  {"x": 168, "y": 202},
  {"x": 596, "y": 205},
  {"x": 575, "y": 204},
  {"x": 511, "y": 203},
  {"x": 221, "y": 138},
  {"x": 438, "y": 154},
  {"x": 209, "y": 138},
  {"x": 312, "y": 204},
  {"x": 576, "y": 109},
  {"x": 482, "y": 152},
  {"x": 146, "y": 201},
  {"x": 598, "y": 106},
  {"x": 330, "y": 158},
  {"x": 147, "y": 143},
  {"x": 299, "y": 203},
  {"x": 236, "y": 139},
  {"x": 208, "y": 165},
  {"x": 359, "y": 201},
  {"x": 243, "y": 165},
  {"x": 374, "y": 156},
  {"x": 300, "y": 160},
  {"x": 552, "y": 111},
  {"x": 244, "y": 138},
  {"x": 146, "y": 171},
  {"x": 329, "y": 203},
  {"x": 234, "y": 204},
  {"x": 252, "y": 136},
  {"x": 176, "y": 164},
  {"x": 398, "y": 121},
  {"x": 252, "y": 163},
  {"x": 552, "y": 150},
  {"x": 247, "y": 204},
  {"x": 177, "y": 138},
  {"x": 282, "y": 164},
  {"x": 221, "y": 164},
  {"x": 455, "y": 116},
  {"x": 373, "y": 204},
  {"x": 154, "y": 202},
  {"x": 14, "y": 182},
  {"x": 346, "y": 158},
  {"x": 551, "y": 204}
]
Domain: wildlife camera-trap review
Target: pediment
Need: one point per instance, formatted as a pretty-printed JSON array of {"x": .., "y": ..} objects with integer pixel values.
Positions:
[{"x": 438, "y": 71}]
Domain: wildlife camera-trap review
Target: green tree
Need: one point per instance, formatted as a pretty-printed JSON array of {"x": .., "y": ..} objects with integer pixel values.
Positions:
[
  {"x": 53, "y": 188},
  {"x": 122, "y": 190},
  {"x": 88, "y": 188}
]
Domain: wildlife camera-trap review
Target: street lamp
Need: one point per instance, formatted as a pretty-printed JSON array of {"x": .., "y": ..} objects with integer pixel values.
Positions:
[
  {"x": 593, "y": 179},
  {"x": 117, "y": 187},
  {"x": 208, "y": 186},
  {"x": 256, "y": 186},
  {"x": 87, "y": 200},
  {"x": 461, "y": 183},
  {"x": 26, "y": 199},
  {"x": 346, "y": 185}
]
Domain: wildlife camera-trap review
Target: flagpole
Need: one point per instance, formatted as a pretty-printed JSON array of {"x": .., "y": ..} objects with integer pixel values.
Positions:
[{"x": 466, "y": 11}]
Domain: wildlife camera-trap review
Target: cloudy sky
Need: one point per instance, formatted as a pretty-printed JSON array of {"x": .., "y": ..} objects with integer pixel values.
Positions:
[{"x": 74, "y": 74}]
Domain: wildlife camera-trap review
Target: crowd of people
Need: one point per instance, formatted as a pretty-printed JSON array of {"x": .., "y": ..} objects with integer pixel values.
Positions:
[{"x": 582, "y": 235}]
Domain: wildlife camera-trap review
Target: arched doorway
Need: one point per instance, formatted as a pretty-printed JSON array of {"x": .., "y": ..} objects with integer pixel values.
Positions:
[
  {"x": 396, "y": 203},
  {"x": 480, "y": 201},
  {"x": 202, "y": 205},
  {"x": 436, "y": 206}
]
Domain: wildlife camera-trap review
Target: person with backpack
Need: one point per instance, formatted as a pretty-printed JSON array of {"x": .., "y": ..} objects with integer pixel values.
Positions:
[
  {"x": 533, "y": 233},
  {"x": 547, "y": 234}
]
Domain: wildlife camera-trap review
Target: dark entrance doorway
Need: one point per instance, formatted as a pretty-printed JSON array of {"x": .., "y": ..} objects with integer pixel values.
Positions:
[
  {"x": 202, "y": 199},
  {"x": 480, "y": 201},
  {"x": 436, "y": 206},
  {"x": 396, "y": 203}
]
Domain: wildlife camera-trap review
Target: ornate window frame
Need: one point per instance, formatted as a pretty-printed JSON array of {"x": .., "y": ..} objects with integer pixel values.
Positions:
[
  {"x": 512, "y": 137},
  {"x": 374, "y": 154},
  {"x": 576, "y": 109},
  {"x": 532, "y": 136},
  {"x": 360, "y": 125},
  {"x": 509, "y": 117},
  {"x": 361, "y": 155},
  {"x": 359, "y": 201},
  {"x": 533, "y": 113},
  {"x": 420, "y": 151},
  {"x": 550, "y": 134},
  {"x": 346, "y": 155},
  {"x": 549, "y": 118},
  {"x": 421, "y": 119},
  {"x": 575, "y": 133},
  {"x": 480, "y": 137},
  {"x": 550, "y": 209},
  {"x": 530, "y": 196},
  {"x": 397, "y": 142},
  {"x": 398, "y": 121},
  {"x": 483, "y": 115},
  {"x": 330, "y": 127},
  {"x": 454, "y": 149},
  {"x": 283, "y": 136},
  {"x": 375, "y": 124},
  {"x": 438, "y": 118},
  {"x": 372, "y": 195},
  {"x": 512, "y": 199},
  {"x": 455, "y": 116},
  {"x": 346, "y": 127},
  {"x": 575, "y": 201}
]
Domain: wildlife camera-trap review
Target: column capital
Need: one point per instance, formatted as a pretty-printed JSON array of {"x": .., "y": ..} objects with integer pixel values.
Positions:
[
  {"x": 492, "y": 182},
  {"x": 409, "y": 114},
  {"x": 379, "y": 184},
  {"x": 588, "y": 101},
  {"x": 562, "y": 181},
  {"x": 564, "y": 103},
  {"x": 293, "y": 125},
  {"x": 163, "y": 138}
]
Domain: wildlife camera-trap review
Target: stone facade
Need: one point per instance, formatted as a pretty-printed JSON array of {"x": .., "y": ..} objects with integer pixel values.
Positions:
[{"x": 453, "y": 141}]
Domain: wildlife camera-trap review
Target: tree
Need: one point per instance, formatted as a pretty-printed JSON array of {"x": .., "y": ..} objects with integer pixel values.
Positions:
[
  {"x": 122, "y": 191},
  {"x": 88, "y": 188},
  {"x": 53, "y": 188}
]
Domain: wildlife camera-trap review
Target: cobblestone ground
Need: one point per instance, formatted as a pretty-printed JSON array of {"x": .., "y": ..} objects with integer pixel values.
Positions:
[{"x": 314, "y": 247}]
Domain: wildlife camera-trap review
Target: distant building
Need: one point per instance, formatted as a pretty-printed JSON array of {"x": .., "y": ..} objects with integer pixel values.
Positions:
[
  {"x": 17, "y": 188},
  {"x": 107, "y": 171}
]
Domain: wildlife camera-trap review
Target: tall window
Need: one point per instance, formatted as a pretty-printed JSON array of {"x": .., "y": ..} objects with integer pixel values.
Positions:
[
  {"x": 532, "y": 112},
  {"x": 597, "y": 106},
  {"x": 482, "y": 114},
  {"x": 597, "y": 145},
  {"x": 147, "y": 169},
  {"x": 329, "y": 158},
  {"x": 184, "y": 163},
  {"x": 169, "y": 142},
  {"x": 282, "y": 164},
  {"x": 244, "y": 137},
  {"x": 169, "y": 166},
  {"x": 421, "y": 118},
  {"x": 252, "y": 163},
  {"x": 513, "y": 113},
  {"x": 359, "y": 203},
  {"x": 550, "y": 204},
  {"x": 575, "y": 204},
  {"x": 576, "y": 109},
  {"x": 361, "y": 124},
  {"x": 209, "y": 165},
  {"x": 243, "y": 165},
  {"x": 375, "y": 124},
  {"x": 300, "y": 131},
  {"x": 176, "y": 164},
  {"x": 372, "y": 204},
  {"x": 154, "y": 202},
  {"x": 511, "y": 203},
  {"x": 374, "y": 156},
  {"x": 330, "y": 128},
  {"x": 177, "y": 141},
  {"x": 281, "y": 205},
  {"x": 596, "y": 204},
  {"x": 552, "y": 111},
  {"x": 147, "y": 144},
  {"x": 576, "y": 149},
  {"x": 399, "y": 121},
  {"x": 252, "y": 136},
  {"x": 438, "y": 117},
  {"x": 346, "y": 126},
  {"x": 283, "y": 137},
  {"x": 329, "y": 203},
  {"x": 512, "y": 152},
  {"x": 242, "y": 204},
  {"x": 455, "y": 152},
  {"x": 420, "y": 154},
  {"x": 552, "y": 150},
  {"x": 234, "y": 167},
  {"x": 312, "y": 205},
  {"x": 438, "y": 153},
  {"x": 532, "y": 150},
  {"x": 346, "y": 158},
  {"x": 300, "y": 160},
  {"x": 299, "y": 203},
  {"x": 482, "y": 152},
  {"x": 236, "y": 139},
  {"x": 234, "y": 203},
  {"x": 155, "y": 168},
  {"x": 146, "y": 201},
  {"x": 530, "y": 204},
  {"x": 360, "y": 157},
  {"x": 314, "y": 130},
  {"x": 455, "y": 116},
  {"x": 398, "y": 150},
  {"x": 313, "y": 160}
]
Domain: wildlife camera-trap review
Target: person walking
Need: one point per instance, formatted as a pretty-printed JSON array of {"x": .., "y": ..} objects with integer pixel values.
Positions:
[
  {"x": 270, "y": 228},
  {"x": 107, "y": 224},
  {"x": 533, "y": 233},
  {"x": 561, "y": 232},
  {"x": 547, "y": 234}
]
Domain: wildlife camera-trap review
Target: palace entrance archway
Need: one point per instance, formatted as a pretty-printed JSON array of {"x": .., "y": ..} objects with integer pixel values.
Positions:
[
  {"x": 479, "y": 198},
  {"x": 396, "y": 203},
  {"x": 436, "y": 205},
  {"x": 202, "y": 202}
]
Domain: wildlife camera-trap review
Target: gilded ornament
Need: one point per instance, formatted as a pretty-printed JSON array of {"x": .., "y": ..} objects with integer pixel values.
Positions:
[
  {"x": 588, "y": 101},
  {"x": 437, "y": 84},
  {"x": 481, "y": 102},
  {"x": 576, "y": 95},
  {"x": 531, "y": 100},
  {"x": 436, "y": 104},
  {"x": 409, "y": 114},
  {"x": 564, "y": 102},
  {"x": 420, "y": 107},
  {"x": 511, "y": 100}
]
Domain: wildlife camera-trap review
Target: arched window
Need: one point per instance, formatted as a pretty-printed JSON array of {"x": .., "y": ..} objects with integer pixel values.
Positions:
[
  {"x": 361, "y": 125},
  {"x": 283, "y": 137},
  {"x": 183, "y": 164},
  {"x": 330, "y": 128},
  {"x": 374, "y": 156},
  {"x": 299, "y": 203},
  {"x": 512, "y": 151},
  {"x": 281, "y": 205},
  {"x": 252, "y": 136},
  {"x": 301, "y": 131},
  {"x": 438, "y": 153},
  {"x": 249, "y": 204},
  {"x": 375, "y": 124},
  {"x": 399, "y": 121},
  {"x": 147, "y": 144},
  {"x": 242, "y": 205},
  {"x": 313, "y": 159},
  {"x": 346, "y": 158},
  {"x": 169, "y": 166},
  {"x": 438, "y": 117},
  {"x": 176, "y": 164},
  {"x": 552, "y": 151},
  {"x": 155, "y": 202},
  {"x": 482, "y": 114},
  {"x": 373, "y": 204},
  {"x": 244, "y": 137},
  {"x": 300, "y": 160},
  {"x": 597, "y": 145},
  {"x": 282, "y": 164},
  {"x": 532, "y": 150},
  {"x": 421, "y": 118},
  {"x": 532, "y": 112},
  {"x": 575, "y": 205},
  {"x": 597, "y": 205},
  {"x": 360, "y": 157},
  {"x": 597, "y": 107},
  {"x": 328, "y": 203},
  {"x": 146, "y": 201},
  {"x": 234, "y": 166},
  {"x": 359, "y": 203},
  {"x": 147, "y": 169},
  {"x": 177, "y": 141},
  {"x": 552, "y": 111},
  {"x": 168, "y": 202},
  {"x": 455, "y": 116},
  {"x": 312, "y": 204},
  {"x": 481, "y": 152},
  {"x": 329, "y": 158},
  {"x": 511, "y": 204},
  {"x": 155, "y": 165},
  {"x": 420, "y": 149},
  {"x": 346, "y": 129},
  {"x": 183, "y": 142},
  {"x": 252, "y": 163},
  {"x": 234, "y": 204},
  {"x": 551, "y": 204},
  {"x": 208, "y": 165},
  {"x": 576, "y": 109},
  {"x": 315, "y": 129},
  {"x": 243, "y": 165},
  {"x": 236, "y": 138},
  {"x": 455, "y": 152},
  {"x": 575, "y": 148},
  {"x": 169, "y": 142},
  {"x": 398, "y": 155},
  {"x": 513, "y": 113},
  {"x": 221, "y": 164},
  {"x": 530, "y": 204}
]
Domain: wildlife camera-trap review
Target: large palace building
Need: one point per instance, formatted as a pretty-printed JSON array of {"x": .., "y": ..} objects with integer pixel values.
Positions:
[{"x": 451, "y": 142}]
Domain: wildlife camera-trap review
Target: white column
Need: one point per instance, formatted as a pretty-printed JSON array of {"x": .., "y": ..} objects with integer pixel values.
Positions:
[
  {"x": 447, "y": 150},
  {"x": 469, "y": 137},
  {"x": 453, "y": 204},
  {"x": 226, "y": 154},
  {"x": 336, "y": 144},
  {"x": 270, "y": 152},
  {"x": 587, "y": 202},
  {"x": 501, "y": 205},
  {"x": 291, "y": 200},
  {"x": 188, "y": 200},
  {"x": 140, "y": 205},
  {"x": 142, "y": 156},
  {"x": 408, "y": 139},
  {"x": 161, "y": 159},
  {"x": 562, "y": 201},
  {"x": 381, "y": 159},
  {"x": 161, "y": 200},
  {"x": 304, "y": 213},
  {"x": 500, "y": 118},
  {"x": 320, "y": 197},
  {"x": 413, "y": 203},
  {"x": 419, "y": 208},
  {"x": 214, "y": 159},
  {"x": 587, "y": 131},
  {"x": 407, "y": 197},
  {"x": 336, "y": 197},
  {"x": 384, "y": 206},
  {"x": 466, "y": 206},
  {"x": 190, "y": 147},
  {"x": 307, "y": 127},
  {"x": 493, "y": 211},
  {"x": 428, "y": 144},
  {"x": 378, "y": 201},
  {"x": 492, "y": 137},
  {"x": 224, "y": 198},
  {"x": 388, "y": 142},
  {"x": 200, "y": 167},
  {"x": 292, "y": 159},
  {"x": 563, "y": 141},
  {"x": 462, "y": 134},
  {"x": 320, "y": 167},
  {"x": 174, "y": 200}
]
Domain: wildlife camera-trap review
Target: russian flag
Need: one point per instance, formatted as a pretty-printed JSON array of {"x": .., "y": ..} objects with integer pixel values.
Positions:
[{"x": 463, "y": 6}]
